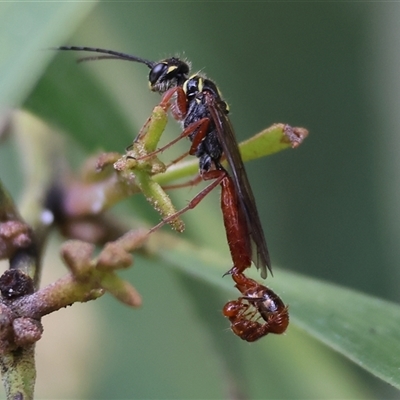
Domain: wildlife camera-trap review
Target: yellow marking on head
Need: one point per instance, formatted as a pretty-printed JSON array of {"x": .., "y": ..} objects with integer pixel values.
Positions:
[{"x": 171, "y": 68}]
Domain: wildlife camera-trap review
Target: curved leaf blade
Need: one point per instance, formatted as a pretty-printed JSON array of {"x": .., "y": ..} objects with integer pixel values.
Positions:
[
  {"x": 26, "y": 28},
  {"x": 363, "y": 328}
]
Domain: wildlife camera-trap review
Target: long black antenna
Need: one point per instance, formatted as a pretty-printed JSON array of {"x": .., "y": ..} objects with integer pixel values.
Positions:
[{"x": 112, "y": 54}]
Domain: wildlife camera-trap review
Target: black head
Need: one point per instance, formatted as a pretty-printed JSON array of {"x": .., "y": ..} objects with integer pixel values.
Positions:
[{"x": 168, "y": 73}]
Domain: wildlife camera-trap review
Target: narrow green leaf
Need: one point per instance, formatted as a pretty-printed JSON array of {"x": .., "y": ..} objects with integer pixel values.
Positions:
[
  {"x": 363, "y": 328},
  {"x": 25, "y": 30},
  {"x": 360, "y": 327},
  {"x": 91, "y": 116}
]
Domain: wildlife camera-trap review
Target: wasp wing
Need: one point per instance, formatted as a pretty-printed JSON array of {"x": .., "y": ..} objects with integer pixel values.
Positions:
[{"x": 226, "y": 135}]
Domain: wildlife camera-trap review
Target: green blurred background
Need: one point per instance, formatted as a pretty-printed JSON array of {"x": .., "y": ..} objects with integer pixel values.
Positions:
[{"x": 329, "y": 209}]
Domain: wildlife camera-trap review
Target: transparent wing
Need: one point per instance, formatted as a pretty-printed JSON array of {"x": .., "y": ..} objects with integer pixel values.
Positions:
[{"x": 260, "y": 254}]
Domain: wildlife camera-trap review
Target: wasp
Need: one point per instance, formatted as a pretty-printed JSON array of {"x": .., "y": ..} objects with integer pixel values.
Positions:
[{"x": 197, "y": 103}]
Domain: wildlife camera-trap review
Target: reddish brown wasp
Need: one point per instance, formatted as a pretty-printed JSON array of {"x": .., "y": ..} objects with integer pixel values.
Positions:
[
  {"x": 196, "y": 102},
  {"x": 257, "y": 312}
]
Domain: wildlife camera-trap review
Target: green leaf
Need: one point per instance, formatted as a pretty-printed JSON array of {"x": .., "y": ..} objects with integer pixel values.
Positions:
[
  {"x": 26, "y": 29},
  {"x": 80, "y": 105},
  {"x": 362, "y": 328}
]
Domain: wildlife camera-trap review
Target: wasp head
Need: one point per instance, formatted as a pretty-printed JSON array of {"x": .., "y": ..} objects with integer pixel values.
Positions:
[{"x": 168, "y": 73}]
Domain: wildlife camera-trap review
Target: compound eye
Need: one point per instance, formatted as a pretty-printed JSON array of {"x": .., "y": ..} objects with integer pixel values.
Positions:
[{"x": 156, "y": 72}]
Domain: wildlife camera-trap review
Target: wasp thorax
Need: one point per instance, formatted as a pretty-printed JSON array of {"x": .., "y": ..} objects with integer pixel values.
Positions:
[{"x": 193, "y": 86}]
